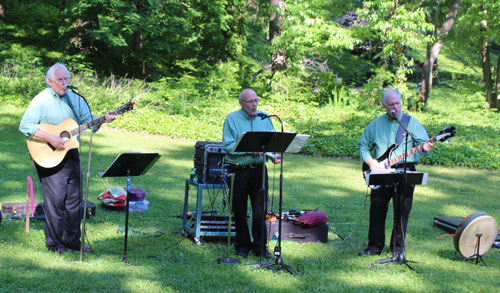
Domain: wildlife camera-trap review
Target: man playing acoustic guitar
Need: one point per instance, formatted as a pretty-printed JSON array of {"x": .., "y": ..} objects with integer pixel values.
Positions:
[
  {"x": 61, "y": 184},
  {"x": 378, "y": 136}
]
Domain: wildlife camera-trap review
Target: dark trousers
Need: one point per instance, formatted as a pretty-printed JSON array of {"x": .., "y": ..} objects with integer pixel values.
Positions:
[
  {"x": 62, "y": 195},
  {"x": 248, "y": 183},
  {"x": 379, "y": 205}
]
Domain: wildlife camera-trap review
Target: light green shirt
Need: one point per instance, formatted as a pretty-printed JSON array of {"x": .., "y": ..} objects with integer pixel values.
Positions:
[
  {"x": 235, "y": 124},
  {"x": 49, "y": 108},
  {"x": 380, "y": 134}
]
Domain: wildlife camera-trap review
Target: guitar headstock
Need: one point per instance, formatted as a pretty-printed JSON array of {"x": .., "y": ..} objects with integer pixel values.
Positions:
[
  {"x": 446, "y": 133},
  {"x": 126, "y": 107}
]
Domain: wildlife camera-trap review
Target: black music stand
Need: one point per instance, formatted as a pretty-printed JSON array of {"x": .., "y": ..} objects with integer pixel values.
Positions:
[
  {"x": 129, "y": 164},
  {"x": 268, "y": 141},
  {"x": 396, "y": 179}
]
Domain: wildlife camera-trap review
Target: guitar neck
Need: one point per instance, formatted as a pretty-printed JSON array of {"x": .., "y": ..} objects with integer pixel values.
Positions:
[
  {"x": 92, "y": 123},
  {"x": 409, "y": 153}
]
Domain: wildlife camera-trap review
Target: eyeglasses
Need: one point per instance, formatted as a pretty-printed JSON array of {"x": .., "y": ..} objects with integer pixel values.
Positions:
[{"x": 255, "y": 101}]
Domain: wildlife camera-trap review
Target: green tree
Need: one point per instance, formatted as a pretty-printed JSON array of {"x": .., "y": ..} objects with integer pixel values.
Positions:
[
  {"x": 436, "y": 45},
  {"x": 476, "y": 32},
  {"x": 397, "y": 26}
]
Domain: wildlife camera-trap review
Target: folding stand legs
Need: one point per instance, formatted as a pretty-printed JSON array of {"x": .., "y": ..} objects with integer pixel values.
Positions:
[
  {"x": 398, "y": 226},
  {"x": 228, "y": 259},
  {"x": 476, "y": 251}
]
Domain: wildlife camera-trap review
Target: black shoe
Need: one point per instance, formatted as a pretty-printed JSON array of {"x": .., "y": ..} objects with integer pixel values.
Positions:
[
  {"x": 242, "y": 253},
  {"x": 85, "y": 248},
  {"x": 369, "y": 251},
  {"x": 57, "y": 248},
  {"x": 266, "y": 254}
]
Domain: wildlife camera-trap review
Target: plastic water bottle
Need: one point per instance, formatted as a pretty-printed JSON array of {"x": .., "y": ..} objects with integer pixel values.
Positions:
[
  {"x": 193, "y": 176},
  {"x": 275, "y": 237}
]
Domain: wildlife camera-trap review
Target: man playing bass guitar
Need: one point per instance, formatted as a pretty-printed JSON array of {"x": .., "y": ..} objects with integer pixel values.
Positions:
[{"x": 380, "y": 134}]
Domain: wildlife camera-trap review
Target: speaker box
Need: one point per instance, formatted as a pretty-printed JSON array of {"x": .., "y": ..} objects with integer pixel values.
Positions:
[{"x": 208, "y": 157}]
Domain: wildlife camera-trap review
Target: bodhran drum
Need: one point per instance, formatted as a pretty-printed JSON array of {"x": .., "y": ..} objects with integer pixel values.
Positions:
[{"x": 466, "y": 238}]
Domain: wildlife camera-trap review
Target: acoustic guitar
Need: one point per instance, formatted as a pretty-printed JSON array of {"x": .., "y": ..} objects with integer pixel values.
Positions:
[
  {"x": 45, "y": 155},
  {"x": 388, "y": 163}
]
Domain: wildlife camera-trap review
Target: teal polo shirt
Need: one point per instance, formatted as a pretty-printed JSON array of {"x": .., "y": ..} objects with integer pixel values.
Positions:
[
  {"x": 380, "y": 134},
  {"x": 235, "y": 124}
]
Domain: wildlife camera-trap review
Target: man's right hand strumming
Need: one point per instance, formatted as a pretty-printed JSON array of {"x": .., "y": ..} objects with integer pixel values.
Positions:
[{"x": 375, "y": 165}]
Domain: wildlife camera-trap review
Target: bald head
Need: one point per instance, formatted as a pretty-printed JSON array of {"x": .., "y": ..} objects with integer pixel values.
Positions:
[
  {"x": 249, "y": 102},
  {"x": 248, "y": 94}
]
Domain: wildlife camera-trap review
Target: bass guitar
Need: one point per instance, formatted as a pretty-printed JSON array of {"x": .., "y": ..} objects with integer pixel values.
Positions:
[
  {"x": 388, "y": 163},
  {"x": 45, "y": 155}
]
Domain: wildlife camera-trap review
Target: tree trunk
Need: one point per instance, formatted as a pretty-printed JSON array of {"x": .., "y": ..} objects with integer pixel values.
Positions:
[
  {"x": 2, "y": 10},
  {"x": 433, "y": 52},
  {"x": 278, "y": 56},
  {"x": 486, "y": 63},
  {"x": 138, "y": 42},
  {"x": 497, "y": 85}
]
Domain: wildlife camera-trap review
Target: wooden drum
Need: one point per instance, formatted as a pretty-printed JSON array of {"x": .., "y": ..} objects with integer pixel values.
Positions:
[{"x": 465, "y": 239}]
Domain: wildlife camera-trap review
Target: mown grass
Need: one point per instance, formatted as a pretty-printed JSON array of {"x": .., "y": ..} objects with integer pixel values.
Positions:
[{"x": 171, "y": 263}]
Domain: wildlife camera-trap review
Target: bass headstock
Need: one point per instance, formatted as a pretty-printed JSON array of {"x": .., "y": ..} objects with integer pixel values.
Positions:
[{"x": 446, "y": 133}]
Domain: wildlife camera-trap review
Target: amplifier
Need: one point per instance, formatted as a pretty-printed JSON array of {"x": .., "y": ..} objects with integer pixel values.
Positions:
[{"x": 208, "y": 157}]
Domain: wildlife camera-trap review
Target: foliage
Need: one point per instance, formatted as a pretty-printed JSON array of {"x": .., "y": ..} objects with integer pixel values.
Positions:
[{"x": 397, "y": 27}]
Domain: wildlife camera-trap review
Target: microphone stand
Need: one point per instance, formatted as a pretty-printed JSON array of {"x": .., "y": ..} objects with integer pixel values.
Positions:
[
  {"x": 87, "y": 174},
  {"x": 399, "y": 204},
  {"x": 277, "y": 249}
]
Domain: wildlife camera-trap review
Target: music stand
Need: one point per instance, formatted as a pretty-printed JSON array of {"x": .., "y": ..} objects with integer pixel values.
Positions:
[
  {"x": 268, "y": 141},
  {"x": 129, "y": 164},
  {"x": 396, "y": 179}
]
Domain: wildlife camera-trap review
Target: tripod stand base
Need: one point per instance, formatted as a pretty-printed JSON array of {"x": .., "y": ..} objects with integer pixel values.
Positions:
[
  {"x": 228, "y": 260},
  {"x": 397, "y": 258},
  {"x": 477, "y": 257},
  {"x": 277, "y": 266}
]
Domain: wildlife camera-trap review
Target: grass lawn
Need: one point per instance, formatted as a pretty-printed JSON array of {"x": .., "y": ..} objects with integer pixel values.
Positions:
[{"x": 162, "y": 259}]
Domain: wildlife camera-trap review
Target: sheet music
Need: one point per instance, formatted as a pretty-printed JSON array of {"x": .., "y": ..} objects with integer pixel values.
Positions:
[
  {"x": 243, "y": 134},
  {"x": 390, "y": 171},
  {"x": 297, "y": 143}
]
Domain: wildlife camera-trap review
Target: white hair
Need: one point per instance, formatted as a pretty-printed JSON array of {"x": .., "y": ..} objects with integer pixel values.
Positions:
[
  {"x": 388, "y": 92},
  {"x": 52, "y": 69}
]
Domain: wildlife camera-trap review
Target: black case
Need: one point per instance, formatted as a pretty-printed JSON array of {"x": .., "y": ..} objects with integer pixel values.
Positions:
[
  {"x": 208, "y": 157},
  {"x": 301, "y": 234}
]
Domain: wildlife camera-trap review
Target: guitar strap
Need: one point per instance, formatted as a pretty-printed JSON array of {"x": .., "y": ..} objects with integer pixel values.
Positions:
[
  {"x": 73, "y": 108},
  {"x": 404, "y": 121}
]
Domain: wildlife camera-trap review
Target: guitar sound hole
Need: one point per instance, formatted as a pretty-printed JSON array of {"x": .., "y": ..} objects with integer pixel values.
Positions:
[{"x": 65, "y": 135}]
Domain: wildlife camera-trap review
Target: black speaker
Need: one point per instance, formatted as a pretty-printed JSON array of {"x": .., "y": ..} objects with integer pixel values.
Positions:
[{"x": 208, "y": 158}]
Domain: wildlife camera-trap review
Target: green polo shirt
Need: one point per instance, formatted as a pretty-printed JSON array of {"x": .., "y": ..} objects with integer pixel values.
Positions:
[
  {"x": 235, "y": 124},
  {"x": 49, "y": 108},
  {"x": 380, "y": 134}
]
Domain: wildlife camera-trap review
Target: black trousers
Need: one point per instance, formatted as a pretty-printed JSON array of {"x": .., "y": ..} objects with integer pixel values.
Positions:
[
  {"x": 379, "y": 205},
  {"x": 248, "y": 183},
  {"x": 62, "y": 195}
]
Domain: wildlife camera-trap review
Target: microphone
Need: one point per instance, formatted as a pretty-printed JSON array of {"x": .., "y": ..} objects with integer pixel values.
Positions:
[
  {"x": 70, "y": 87},
  {"x": 262, "y": 116},
  {"x": 392, "y": 114}
]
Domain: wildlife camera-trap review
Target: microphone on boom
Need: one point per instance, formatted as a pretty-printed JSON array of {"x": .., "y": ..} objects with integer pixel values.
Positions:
[
  {"x": 262, "y": 116},
  {"x": 70, "y": 87}
]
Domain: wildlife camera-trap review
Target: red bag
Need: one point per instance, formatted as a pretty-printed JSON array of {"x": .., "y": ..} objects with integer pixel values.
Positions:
[{"x": 311, "y": 219}]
